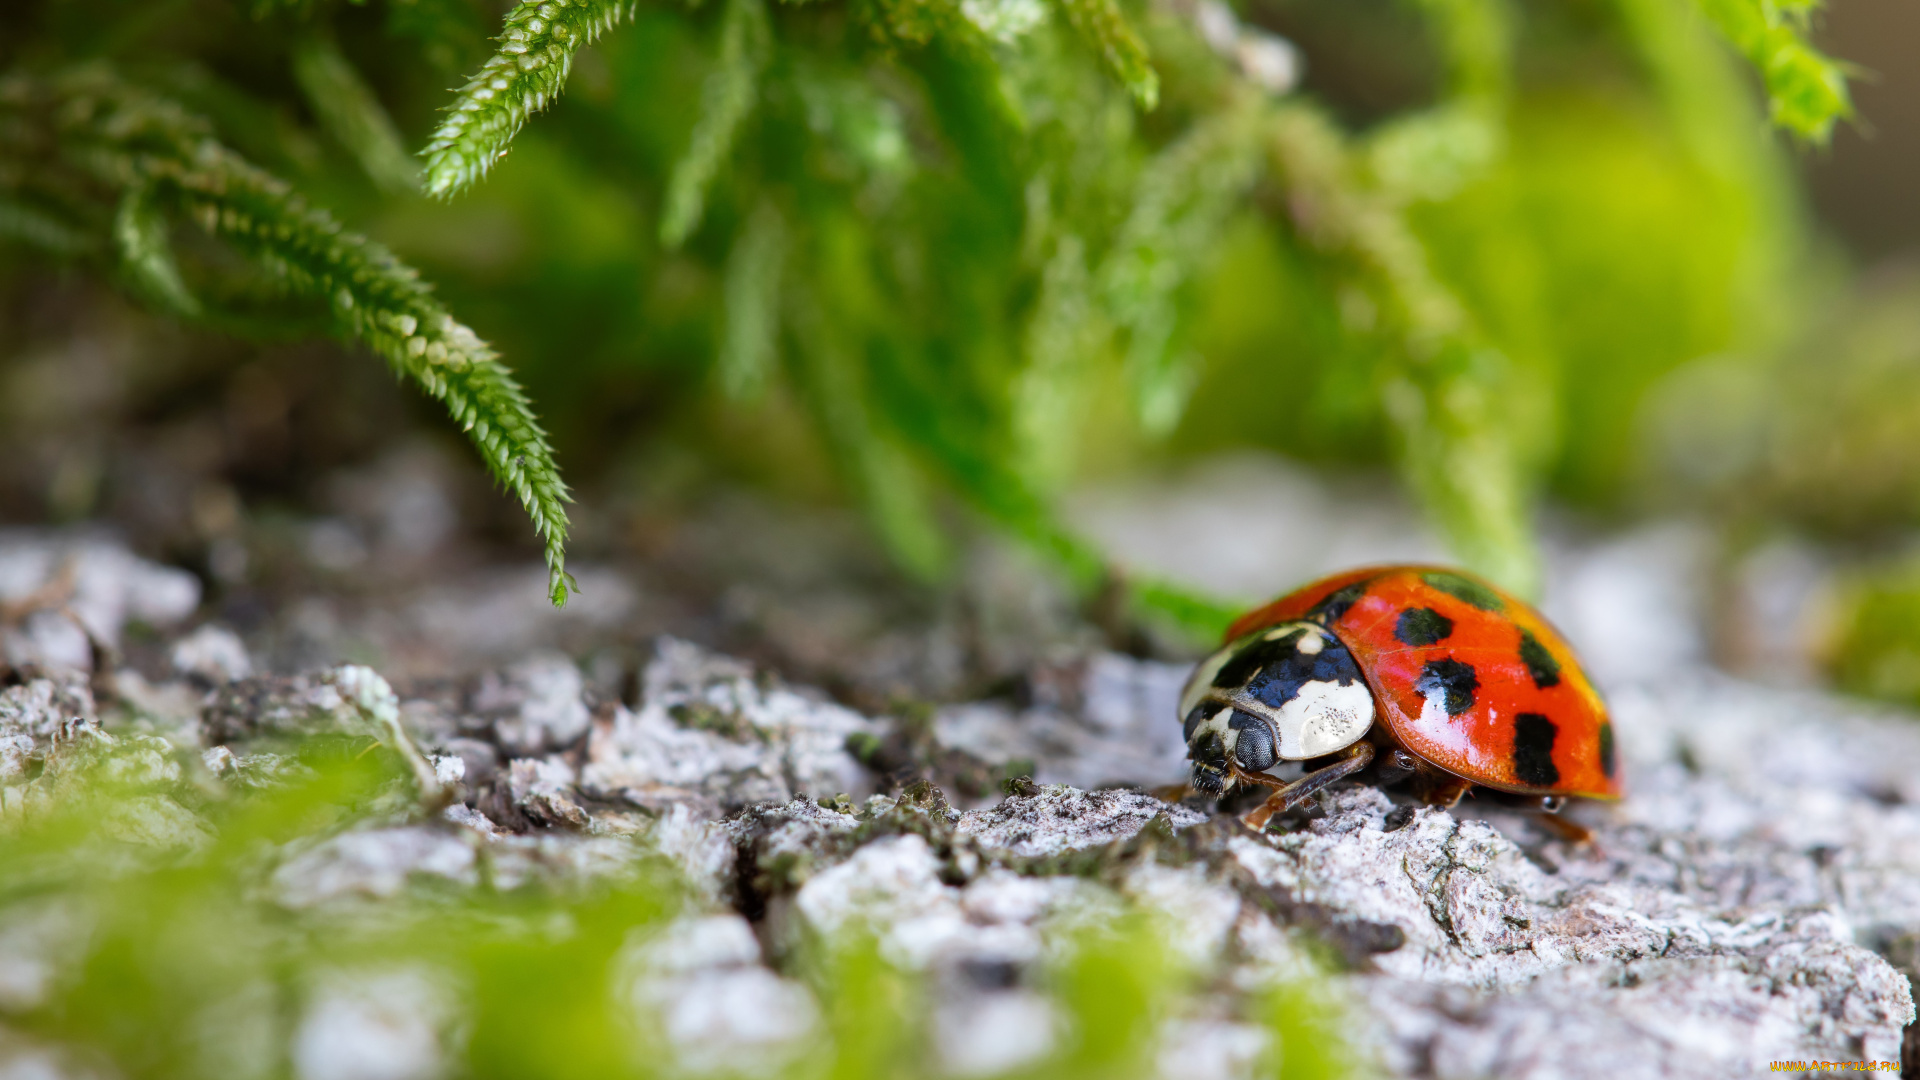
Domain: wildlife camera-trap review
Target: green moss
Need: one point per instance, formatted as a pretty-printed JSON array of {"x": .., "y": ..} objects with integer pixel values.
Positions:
[
  {"x": 983, "y": 249},
  {"x": 1875, "y": 648},
  {"x": 175, "y": 961}
]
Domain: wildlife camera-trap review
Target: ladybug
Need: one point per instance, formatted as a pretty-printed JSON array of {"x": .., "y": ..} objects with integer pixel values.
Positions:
[{"x": 1443, "y": 678}]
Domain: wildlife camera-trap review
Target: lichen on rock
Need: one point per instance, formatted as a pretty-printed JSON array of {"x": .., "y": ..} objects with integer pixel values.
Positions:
[
  {"x": 1752, "y": 899},
  {"x": 710, "y": 735}
]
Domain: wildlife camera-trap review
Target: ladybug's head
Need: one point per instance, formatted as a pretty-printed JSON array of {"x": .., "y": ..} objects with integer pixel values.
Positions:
[
  {"x": 1281, "y": 693},
  {"x": 1209, "y": 756}
]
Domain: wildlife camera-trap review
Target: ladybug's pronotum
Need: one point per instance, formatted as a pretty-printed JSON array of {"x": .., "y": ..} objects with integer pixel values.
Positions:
[{"x": 1442, "y": 678}]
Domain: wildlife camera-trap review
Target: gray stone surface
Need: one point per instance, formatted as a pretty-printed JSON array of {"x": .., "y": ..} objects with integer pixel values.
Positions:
[
  {"x": 699, "y": 987},
  {"x": 1108, "y": 727},
  {"x": 372, "y": 864},
  {"x": 1740, "y": 906},
  {"x": 535, "y": 703},
  {"x": 1056, "y": 820},
  {"x": 710, "y": 735},
  {"x": 1724, "y": 915},
  {"x": 351, "y": 699},
  {"x": 212, "y": 655},
  {"x": 58, "y": 590}
]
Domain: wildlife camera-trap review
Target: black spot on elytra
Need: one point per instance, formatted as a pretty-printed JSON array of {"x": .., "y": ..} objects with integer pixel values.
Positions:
[
  {"x": 1254, "y": 748},
  {"x": 1422, "y": 626},
  {"x": 1466, "y": 589},
  {"x": 1453, "y": 678},
  {"x": 1273, "y": 672},
  {"x": 1606, "y": 748},
  {"x": 1336, "y": 603},
  {"x": 1540, "y": 663},
  {"x": 1533, "y": 736}
]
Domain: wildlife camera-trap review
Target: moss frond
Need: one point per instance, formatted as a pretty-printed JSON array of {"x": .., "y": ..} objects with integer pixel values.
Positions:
[
  {"x": 1181, "y": 202},
  {"x": 536, "y": 50},
  {"x": 1105, "y": 29},
  {"x": 146, "y": 253},
  {"x": 105, "y": 133},
  {"x": 1476, "y": 44},
  {"x": 1063, "y": 335},
  {"x": 754, "y": 270},
  {"x": 1444, "y": 383},
  {"x": 726, "y": 101},
  {"x": 835, "y": 315},
  {"x": 1807, "y": 91},
  {"x": 42, "y": 230},
  {"x": 347, "y": 108},
  {"x": 887, "y": 482}
]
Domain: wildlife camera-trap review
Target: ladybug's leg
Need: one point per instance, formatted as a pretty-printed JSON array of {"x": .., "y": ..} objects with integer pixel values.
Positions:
[
  {"x": 1571, "y": 831},
  {"x": 1288, "y": 796},
  {"x": 1395, "y": 765},
  {"x": 1441, "y": 789}
]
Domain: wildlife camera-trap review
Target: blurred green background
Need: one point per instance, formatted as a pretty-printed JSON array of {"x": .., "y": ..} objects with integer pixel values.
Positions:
[
  {"x": 944, "y": 262},
  {"x": 948, "y": 261}
]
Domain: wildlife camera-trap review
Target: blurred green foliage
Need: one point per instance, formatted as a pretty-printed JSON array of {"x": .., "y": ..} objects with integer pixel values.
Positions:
[
  {"x": 979, "y": 248},
  {"x": 151, "y": 893},
  {"x": 1816, "y": 434},
  {"x": 1875, "y": 646},
  {"x": 1815, "y": 438}
]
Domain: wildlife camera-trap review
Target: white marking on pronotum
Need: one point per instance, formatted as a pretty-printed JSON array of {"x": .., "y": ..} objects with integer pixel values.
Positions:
[
  {"x": 1217, "y": 723},
  {"x": 1202, "y": 679},
  {"x": 1323, "y": 718},
  {"x": 1310, "y": 643}
]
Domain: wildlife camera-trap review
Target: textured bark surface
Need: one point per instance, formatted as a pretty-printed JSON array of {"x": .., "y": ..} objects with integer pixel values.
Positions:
[{"x": 1756, "y": 897}]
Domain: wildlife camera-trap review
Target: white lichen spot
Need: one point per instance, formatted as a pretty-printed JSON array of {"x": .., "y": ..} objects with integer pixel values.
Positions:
[
  {"x": 1199, "y": 914},
  {"x": 992, "y": 1034},
  {"x": 703, "y": 849},
  {"x": 213, "y": 654},
  {"x": 384, "y": 1025},
  {"x": 37, "y": 940},
  {"x": 893, "y": 887},
  {"x": 1217, "y": 1049},
  {"x": 448, "y": 769},
  {"x": 373, "y": 863},
  {"x": 697, "y": 984},
  {"x": 540, "y": 698}
]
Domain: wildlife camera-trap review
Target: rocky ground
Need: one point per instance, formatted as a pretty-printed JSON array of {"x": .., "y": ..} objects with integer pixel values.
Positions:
[{"x": 970, "y": 786}]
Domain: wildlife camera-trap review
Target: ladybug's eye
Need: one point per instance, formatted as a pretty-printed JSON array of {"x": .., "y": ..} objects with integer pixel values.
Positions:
[{"x": 1254, "y": 746}]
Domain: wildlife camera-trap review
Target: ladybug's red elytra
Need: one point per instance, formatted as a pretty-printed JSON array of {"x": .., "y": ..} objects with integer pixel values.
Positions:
[{"x": 1449, "y": 681}]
